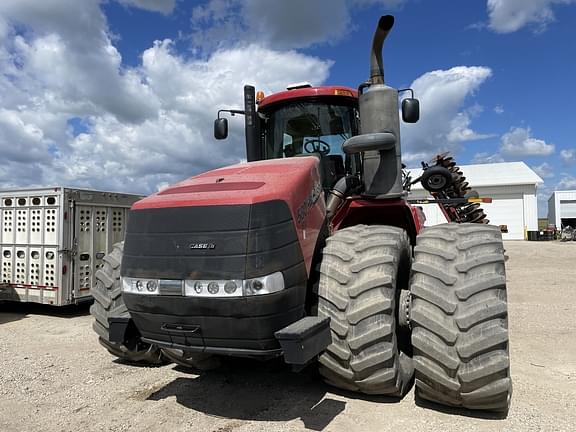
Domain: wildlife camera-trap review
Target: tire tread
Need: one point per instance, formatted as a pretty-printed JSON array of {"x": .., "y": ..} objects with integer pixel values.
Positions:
[{"x": 459, "y": 317}]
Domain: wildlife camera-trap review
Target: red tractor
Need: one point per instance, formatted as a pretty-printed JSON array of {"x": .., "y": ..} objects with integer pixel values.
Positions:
[{"x": 311, "y": 251}]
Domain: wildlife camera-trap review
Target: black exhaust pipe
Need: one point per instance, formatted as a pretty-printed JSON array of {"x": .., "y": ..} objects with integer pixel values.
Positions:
[{"x": 385, "y": 24}]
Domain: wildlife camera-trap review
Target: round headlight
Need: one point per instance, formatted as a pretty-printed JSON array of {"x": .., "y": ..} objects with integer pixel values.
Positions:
[
  {"x": 213, "y": 287},
  {"x": 198, "y": 287},
  {"x": 151, "y": 286},
  {"x": 230, "y": 287},
  {"x": 139, "y": 285},
  {"x": 257, "y": 285}
]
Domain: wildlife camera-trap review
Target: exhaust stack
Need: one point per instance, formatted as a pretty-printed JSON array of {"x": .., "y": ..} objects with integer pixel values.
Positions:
[
  {"x": 379, "y": 141},
  {"x": 385, "y": 24}
]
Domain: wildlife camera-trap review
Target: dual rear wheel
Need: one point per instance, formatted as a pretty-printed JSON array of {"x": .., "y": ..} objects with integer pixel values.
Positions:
[{"x": 458, "y": 315}]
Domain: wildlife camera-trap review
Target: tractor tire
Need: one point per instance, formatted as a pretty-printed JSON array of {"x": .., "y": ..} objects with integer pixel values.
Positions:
[
  {"x": 108, "y": 302},
  {"x": 459, "y": 317},
  {"x": 361, "y": 275}
]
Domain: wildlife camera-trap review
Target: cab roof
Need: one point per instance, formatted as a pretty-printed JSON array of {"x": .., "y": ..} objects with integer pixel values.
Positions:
[{"x": 309, "y": 92}]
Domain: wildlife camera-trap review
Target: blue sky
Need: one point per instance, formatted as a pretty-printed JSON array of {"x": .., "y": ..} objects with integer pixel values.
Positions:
[{"x": 120, "y": 94}]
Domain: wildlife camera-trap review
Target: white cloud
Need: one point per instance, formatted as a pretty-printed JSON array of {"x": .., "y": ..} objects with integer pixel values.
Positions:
[
  {"x": 568, "y": 156},
  {"x": 163, "y": 6},
  {"x": 487, "y": 158},
  {"x": 444, "y": 122},
  {"x": 143, "y": 127},
  {"x": 518, "y": 142},
  {"x": 276, "y": 24},
  {"x": 544, "y": 170},
  {"x": 69, "y": 56},
  {"x": 499, "y": 109},
  {"x": 566, "y": 182},
  {"x": 286, "y": 26},
  {"x": 507, "y": 16}
]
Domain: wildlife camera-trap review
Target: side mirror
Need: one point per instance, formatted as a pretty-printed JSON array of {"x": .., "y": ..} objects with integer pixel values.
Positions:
[
  {"x": 410, "y": 110},
  {"x": 221, "y": 128}
]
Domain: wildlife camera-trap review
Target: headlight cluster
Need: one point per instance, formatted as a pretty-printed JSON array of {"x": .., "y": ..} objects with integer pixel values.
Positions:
[
  {"x": 205, "y": 288},
  {"x": 140, "y": 286}
]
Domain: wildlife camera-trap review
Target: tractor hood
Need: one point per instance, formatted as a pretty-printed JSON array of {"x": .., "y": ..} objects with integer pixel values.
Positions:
[
  {"x": 238, "y": 222},
  {"x": 290, "y": 180}
]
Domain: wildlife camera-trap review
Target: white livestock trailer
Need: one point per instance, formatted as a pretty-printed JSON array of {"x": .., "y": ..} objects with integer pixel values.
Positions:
[{"x": 53, "y": 240}]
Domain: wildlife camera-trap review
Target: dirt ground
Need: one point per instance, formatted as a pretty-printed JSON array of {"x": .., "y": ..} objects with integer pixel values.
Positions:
[{"x": 54, "y": 376}]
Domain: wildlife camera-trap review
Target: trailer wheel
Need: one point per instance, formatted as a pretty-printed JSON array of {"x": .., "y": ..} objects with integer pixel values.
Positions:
[
  {"x": 108, "y": 302},
  {"x": 436, "y": 178},
  {"x": 459, "y": 317},
  {"x": 362, "y": 272}
]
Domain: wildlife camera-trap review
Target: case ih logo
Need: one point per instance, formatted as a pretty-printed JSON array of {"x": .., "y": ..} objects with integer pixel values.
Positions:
[
  {"x": 202, "y": 246},
  {"x": 309, "y": 203}
]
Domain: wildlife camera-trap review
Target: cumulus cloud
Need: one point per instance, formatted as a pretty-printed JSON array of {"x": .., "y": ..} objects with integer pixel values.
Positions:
[
  {"x": 568, "y": 156},
  {"x": 163, "y": 6},
  {"x": 73, "y": 114},
  {"x": 519, "y": 142},
  {"x": 445, "y": 122},
  {"x": 67, "y": 55},
  {"x": 277, "y": 24},
  {"x": 507, "y": 16}
]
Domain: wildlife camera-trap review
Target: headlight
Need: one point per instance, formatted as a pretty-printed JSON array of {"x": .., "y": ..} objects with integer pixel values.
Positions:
[
  {"x": 140, "y": 286},
  {"x": 234, "y": 288},
  {"x": 205, "y": 288},
  {"x": 212, "y": 288},
  {"x": 264, "y": 285}
]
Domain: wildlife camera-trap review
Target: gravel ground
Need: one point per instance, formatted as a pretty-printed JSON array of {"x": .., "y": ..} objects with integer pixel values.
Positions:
[{"x": 54, "y": 376}]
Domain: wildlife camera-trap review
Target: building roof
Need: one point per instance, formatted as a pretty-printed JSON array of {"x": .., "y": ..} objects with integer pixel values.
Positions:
[
  {"x": 494, "y": 174},
  {"x": 563, "y": 194}
]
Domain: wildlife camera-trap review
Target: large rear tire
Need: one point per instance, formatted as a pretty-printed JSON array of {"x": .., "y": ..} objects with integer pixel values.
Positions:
[
  {"x": 362, "y": 271},
  {"x": 108, "y": 302},
  {"x": 459, "y": 317}
]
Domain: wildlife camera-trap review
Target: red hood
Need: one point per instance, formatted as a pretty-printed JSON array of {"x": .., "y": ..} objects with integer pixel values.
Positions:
[{"x": 245, "y": 183}]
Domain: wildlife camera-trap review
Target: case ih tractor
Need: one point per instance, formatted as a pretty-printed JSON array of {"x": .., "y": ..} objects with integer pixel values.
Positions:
[{"x": 311, "y": 251}]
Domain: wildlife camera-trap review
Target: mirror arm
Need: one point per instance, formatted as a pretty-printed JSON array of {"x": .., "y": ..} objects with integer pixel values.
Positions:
[{"x": 405, "y": 90}]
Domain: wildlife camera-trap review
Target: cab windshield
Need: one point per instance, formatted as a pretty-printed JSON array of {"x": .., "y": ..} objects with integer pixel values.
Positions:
[
  {"x": 308, "y": 128},
  {"x": 313, "y": 129}
]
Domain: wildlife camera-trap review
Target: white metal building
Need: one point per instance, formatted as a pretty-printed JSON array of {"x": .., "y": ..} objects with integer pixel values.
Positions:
[
  {"x": 562, "y": 209},
  {"x": 511, "y": 185}
]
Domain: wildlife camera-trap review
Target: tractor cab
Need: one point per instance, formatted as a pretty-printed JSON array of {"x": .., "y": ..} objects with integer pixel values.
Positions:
[{"x": 303, "y": 121}]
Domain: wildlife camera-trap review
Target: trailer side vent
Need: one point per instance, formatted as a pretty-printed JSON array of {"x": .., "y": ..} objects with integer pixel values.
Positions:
[
  {"x": 7, "y": 221},
  {"x": 100, "y": 220},
  {"x": 117, "y": 220}
]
